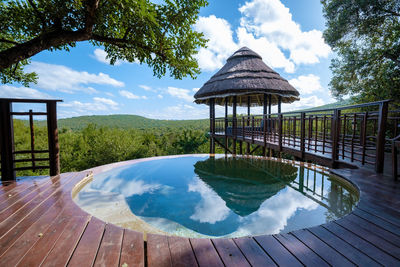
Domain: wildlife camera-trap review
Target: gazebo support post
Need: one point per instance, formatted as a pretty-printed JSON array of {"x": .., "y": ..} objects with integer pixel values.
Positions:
[
  {"x": 280, "y": 125},
  {"x": 263, "y": 125},
  {"x": 226, "y": 125},
  {"x": 248, "y": 124},
  {"x": 279, "y": 104},
  {"x": 212, "y": 125},
  {"x": 234, "y": 124}
]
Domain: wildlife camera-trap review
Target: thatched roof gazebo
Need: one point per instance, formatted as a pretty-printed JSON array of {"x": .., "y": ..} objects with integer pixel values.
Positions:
[
  {"x": 245, "y": 80},
  {"x": 248, "y": 78}
]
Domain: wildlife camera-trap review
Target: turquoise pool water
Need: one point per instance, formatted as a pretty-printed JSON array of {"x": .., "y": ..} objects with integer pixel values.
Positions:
[{"x": 226, "y": 197}]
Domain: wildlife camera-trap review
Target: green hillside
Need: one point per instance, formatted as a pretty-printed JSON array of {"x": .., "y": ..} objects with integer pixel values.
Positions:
[{"x": 129, "y": 122}]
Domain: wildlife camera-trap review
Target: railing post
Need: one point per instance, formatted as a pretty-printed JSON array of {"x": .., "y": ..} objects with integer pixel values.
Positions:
[
  {"x": 380, "y": 141},
  {"x": 252, "y": 129},
  {"x": 264, "y": 134},
  {"x": 302, "y": 134},
  {"x": 32, "y": 133},
  {"x": 7, "y": 141},
  {"x": 280, "y": 132},
  {"x": 52, "y": 130},
  {"x": 335, "y": 128}
]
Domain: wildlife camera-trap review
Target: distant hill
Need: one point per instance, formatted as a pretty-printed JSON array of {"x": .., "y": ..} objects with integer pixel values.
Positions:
[
  {"x": 139, "y": 122},
  {"x": 129, "y": 122},
  {"x": 338, "y": 104}
]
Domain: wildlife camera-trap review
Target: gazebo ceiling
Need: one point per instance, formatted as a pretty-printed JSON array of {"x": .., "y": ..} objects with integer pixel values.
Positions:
[{"x": 245, "y": 75}]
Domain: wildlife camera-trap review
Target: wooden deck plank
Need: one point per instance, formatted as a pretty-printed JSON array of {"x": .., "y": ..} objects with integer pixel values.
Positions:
[
  {"x": 110, "y": 247},
  {"x": 205, "y": 252},
  {"x": 350, "y": 252},
  {"x": 255, "y": 255},
  {"x": 181, "y": 252},
  {"x": 66, "y": 243},
  {"x": 36, "y": 255},
  {"x": 229, "y": 252},
  {"x": 301, "y": 251},
  {"x": 22, "y": 208},
  {"x": 277, "y": 251},
  {"x": 17, "y": 196},
  {"x": 330, "y": 255},
  {"x": 378, "y": 221},
  {"x": 6, "y": 195},
  {"x": 370, "y": 236},
  {"x": 15, "y": 231},
  {"x": 362, "y": 245},
  {"x": 380, "y": 212},
  {"x": 11, "y": 252},
  {"x": 86, "y": 250},
  {"x": 377, "y": 230},
  {"x": 158, "y": 253},
  {"x": 132, "y": 252}
]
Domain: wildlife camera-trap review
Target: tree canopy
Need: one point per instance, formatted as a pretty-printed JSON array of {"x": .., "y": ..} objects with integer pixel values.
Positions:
[
  {"x": 160, "y": 35},
  {"x": 365, "y": 34}
]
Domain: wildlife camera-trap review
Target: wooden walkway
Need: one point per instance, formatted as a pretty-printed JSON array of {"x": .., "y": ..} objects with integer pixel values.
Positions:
[{"x": 41, "y": 225}]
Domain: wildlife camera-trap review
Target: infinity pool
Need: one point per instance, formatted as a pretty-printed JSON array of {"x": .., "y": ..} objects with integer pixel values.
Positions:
[{"x": 203, "y": 196}]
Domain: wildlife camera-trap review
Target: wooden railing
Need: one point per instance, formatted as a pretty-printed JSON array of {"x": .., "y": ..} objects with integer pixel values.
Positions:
[
  {"x": 8, "y": 152},
  {"x": 357, "y": 134}
]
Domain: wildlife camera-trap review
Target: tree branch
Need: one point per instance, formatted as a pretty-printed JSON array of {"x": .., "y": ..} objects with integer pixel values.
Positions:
[
  {"x": 38, "y": 13},
  {"x": 2, "y": 40},
  {"x": 45, "y": 41}
]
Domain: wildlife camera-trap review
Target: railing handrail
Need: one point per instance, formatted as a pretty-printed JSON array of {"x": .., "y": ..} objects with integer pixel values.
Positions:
[{"x": 376, "y": 103}]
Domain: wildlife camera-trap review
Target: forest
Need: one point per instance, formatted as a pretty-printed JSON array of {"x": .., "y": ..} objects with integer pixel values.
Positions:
[{"x": 91, "y": 144}]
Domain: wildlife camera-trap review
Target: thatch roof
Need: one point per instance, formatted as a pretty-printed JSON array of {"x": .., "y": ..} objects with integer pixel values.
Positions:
[
  {"x": 243, "y": 75},
  {"x": 244, "y": 185}
]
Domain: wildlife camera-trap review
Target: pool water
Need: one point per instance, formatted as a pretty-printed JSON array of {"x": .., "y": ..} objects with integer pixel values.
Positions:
[{"x": 226, "y": 196}]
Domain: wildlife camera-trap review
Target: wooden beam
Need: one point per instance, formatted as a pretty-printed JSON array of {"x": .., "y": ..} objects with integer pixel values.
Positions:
[
  {"x": 248, "y": 124},
  {"x": 52, "y": 131},
  {"x": 226, "y": 125},
  {"x": 212, "y": 125},
  {"x": 380, "y": 140},
  {"x": 279, "y": 104},
  {"x": 234, "y": 122},
  {"x": 7, "y": 141},
  {"x": 223, "y": 146}
]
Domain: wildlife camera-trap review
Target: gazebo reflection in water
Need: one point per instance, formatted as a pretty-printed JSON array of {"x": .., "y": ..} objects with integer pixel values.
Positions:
[{"x": 245, "y": 183}]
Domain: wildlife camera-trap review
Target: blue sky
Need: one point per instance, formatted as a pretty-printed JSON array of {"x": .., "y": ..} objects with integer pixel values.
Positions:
[{"x": 286, "y": 33}]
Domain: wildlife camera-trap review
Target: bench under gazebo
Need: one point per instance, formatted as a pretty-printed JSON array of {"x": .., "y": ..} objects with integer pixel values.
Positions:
[{"x": 245, "y": 81}]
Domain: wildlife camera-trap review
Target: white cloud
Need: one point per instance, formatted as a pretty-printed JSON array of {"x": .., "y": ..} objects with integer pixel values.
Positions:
[
  {"x": 105, "y": 101},
  {"x": 7, "y": 91},
  {"x": 307, "y": 84},
  {"x": 76, "y": 108},
  {"x": 269, "y": 51},
  {"x": 180, "y": 93},
  {"x": 220, "y": 44},
  {"x": 267, "y": 27},
  {"x": 211, "y": 208},
  {"x": 195, "y": 89},
  {"x": 303, "y": 103},
  {"x": 146, "y": 88},
  {"x": 160, "y": 96},
  {"x": 101, "y": 56},
  {"x": 272, "y": 20},
  {"x": 64, "y": 79},
  {"x": 130, "y": 95},
  {"x": 109, "y": 94}
]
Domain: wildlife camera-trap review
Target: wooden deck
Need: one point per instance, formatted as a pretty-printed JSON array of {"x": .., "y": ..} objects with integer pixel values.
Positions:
[{"x": 41, "y": 225}]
